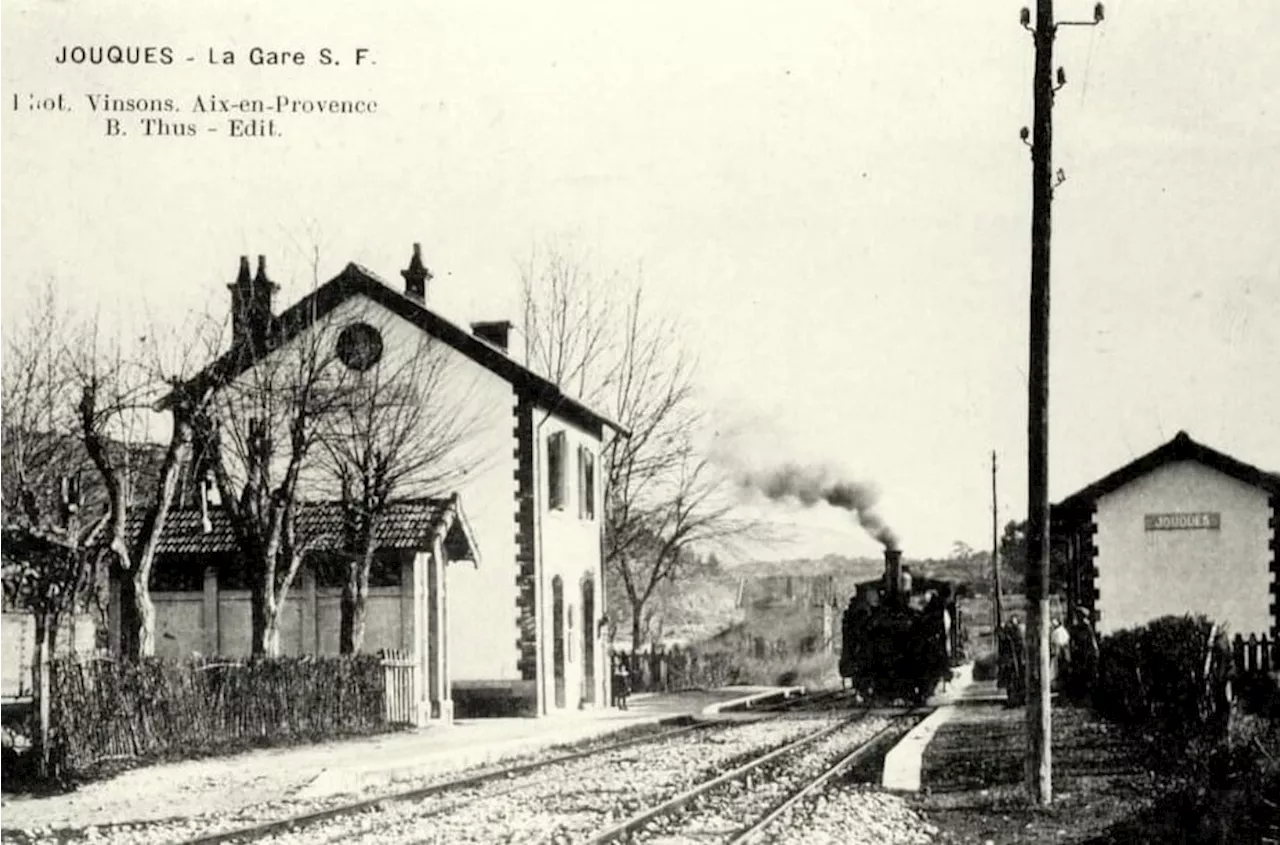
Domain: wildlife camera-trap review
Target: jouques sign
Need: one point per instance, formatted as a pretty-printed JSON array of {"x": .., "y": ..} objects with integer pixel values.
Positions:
[{"x": 1183, "y": 521}]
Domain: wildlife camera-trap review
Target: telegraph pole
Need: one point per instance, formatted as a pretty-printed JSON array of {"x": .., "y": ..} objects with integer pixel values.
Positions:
[
  {"x": 1039, "y": 768},
  {"x": 995, "y": 549}
]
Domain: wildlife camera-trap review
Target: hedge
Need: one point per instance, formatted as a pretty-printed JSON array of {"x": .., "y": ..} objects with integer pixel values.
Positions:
[
  {"x": 105, "y": 710},
  {"x": 1171, "y": 675}
]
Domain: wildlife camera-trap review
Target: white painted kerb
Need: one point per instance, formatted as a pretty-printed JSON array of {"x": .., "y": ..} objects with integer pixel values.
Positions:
[{"x": 903, "y": 763}]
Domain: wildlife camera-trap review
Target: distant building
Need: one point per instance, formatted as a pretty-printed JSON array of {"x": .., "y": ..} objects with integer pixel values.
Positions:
[
  {"x": 798, "y": 610},
  {"x": 1182, "y": 529}
]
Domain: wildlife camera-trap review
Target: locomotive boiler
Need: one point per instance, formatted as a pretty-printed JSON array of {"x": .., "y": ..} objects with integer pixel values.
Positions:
[{"x": 901, "y": 634}]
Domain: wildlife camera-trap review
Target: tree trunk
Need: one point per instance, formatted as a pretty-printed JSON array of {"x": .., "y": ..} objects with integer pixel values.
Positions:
[
  {"x": 266, "y": 639},
  {"x": 40, "y": 688},
  {"x": 635, "y": 637},
  {"x": 137, "y": 617},
  {"x": 355, "y": 599},
  {"x": 347, "y": 606}
]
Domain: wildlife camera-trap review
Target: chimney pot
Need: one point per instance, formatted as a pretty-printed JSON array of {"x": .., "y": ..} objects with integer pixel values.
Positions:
[
  {"x": 416, "y": 276},
  {"x": 251, "y": 306},
  {"x": 497, "y": 332}
]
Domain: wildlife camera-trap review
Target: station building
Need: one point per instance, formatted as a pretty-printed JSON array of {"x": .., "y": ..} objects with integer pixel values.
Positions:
[
  {"x": 1181, "y": 529},
  {"x": 518, "y": 631}
]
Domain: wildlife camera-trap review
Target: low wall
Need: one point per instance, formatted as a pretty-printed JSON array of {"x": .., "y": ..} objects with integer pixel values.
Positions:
[
  {"x": 487, "y": 699},
  {"x": 220, "y": 622},
  {"x": 76, "y": 635}
]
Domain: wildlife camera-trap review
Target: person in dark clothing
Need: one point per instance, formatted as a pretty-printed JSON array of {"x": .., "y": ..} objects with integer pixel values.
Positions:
[{"x": 621, "y": 684}]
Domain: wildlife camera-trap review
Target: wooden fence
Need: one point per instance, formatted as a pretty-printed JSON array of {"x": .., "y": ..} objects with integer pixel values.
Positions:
[
  {"x": 164, "y": 709},
  {"x": 398, "y": 677},
  {"x": 1256, "y": 654}
]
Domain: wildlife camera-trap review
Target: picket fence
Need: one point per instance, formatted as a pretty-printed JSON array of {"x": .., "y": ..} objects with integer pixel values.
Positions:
[
  {"x": 398, "y": 678},
  {"x": 1256, "y": 654}
]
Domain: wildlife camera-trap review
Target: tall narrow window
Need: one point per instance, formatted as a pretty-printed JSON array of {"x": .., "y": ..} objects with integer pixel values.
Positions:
[
  {"x": 586, "y": 483},
  {"x": 556, "y": 487}
]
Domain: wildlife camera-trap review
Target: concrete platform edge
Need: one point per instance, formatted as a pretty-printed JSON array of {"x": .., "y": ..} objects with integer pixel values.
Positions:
[
  {"x": 903, "y": 763},
  {"x": 713, "y": 710}
]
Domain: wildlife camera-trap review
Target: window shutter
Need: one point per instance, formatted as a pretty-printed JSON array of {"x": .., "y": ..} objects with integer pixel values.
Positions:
[
  {"x": 582, "y": 474},
  {"x": 555, "y": 471}
]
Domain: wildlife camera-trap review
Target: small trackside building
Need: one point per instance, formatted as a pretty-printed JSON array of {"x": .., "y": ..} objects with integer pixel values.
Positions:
[{"x": 1182, "y": 529}]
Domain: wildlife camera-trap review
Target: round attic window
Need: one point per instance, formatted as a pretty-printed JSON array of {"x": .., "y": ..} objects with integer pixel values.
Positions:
[{"x": 360, "y": 346}]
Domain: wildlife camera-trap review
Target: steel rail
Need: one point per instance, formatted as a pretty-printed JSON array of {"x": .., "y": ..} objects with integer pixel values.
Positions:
[
  {"x": 292, "y": 823},
  {"x": 753, "y": 830},
  {"x": 670, "y": 805}
]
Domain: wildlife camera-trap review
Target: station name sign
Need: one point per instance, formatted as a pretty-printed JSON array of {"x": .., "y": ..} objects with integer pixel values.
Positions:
[{"x": 1183, "y": 521}]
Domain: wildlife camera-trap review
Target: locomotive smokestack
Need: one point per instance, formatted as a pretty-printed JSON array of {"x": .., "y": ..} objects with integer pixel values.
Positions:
[{"x": 893, "y": 570}]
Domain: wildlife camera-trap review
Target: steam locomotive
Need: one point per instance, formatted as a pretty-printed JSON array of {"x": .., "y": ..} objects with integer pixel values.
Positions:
[{"x": 901, "y": 635}]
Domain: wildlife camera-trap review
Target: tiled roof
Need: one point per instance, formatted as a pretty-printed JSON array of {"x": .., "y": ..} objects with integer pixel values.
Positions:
[
  {"x": 356, "y": 280},
  {"x": 1180, "y": 448},
  {"x": 407, "y": 524}
]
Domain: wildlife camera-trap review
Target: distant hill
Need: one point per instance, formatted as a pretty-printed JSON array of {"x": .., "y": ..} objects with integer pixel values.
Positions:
[
  {"x": 859, "y": 569},
  {"x": 775, "y": 598}
]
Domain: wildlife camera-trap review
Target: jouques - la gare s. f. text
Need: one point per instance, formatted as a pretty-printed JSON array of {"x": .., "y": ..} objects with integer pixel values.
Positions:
[{"x": 119, "y": 54}]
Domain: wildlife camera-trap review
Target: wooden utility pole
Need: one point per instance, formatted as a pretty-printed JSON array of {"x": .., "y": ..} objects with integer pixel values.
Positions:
[
  {"x": 995, "y": 551},
  {"x": 1039, "y": 769},
  {"x": 1039, "y": 773}
]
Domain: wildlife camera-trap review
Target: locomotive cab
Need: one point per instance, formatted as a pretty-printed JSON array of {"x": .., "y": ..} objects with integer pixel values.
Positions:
[{"x": 901, "y": 634}]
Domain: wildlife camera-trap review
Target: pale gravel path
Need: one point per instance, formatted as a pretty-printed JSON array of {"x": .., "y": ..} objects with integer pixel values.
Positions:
[
  {"x": 228, "y": 785},
  {"x": 854, "y": 816}
]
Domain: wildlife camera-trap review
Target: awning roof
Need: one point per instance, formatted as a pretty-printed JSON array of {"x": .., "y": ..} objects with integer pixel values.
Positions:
[{"x": 407, "y": 524}]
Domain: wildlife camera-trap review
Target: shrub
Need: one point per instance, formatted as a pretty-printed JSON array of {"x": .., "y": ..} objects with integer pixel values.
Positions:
[
  {"x": 157, "y": 708},
  {"x": 1258, "y": 694},
  {"x": 1169, "y": 675}
]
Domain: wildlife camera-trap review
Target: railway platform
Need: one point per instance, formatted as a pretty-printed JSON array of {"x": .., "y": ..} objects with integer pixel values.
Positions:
[
  {"x": 225, "y": 785},
  {"x": 904, "y": 764}
]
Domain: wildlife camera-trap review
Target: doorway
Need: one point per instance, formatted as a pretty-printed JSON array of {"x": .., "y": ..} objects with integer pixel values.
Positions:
[
  {"x": 588, "y": 640},
  {"x": 557, "y": 639}
]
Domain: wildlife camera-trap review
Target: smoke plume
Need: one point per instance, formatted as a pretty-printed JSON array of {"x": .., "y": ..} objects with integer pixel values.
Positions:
[{"x": 812, "y": 485}]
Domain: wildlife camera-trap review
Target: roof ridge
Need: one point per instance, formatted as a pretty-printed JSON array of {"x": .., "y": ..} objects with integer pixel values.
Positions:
[
  {"x": 355, "y": 278},
  {"x": 1182, "y": 447}
]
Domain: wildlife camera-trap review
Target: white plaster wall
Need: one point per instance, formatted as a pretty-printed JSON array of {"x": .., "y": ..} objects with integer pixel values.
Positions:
[
  {"x": 482, "y": 613},
  {"x": 570, "y": 548},
  {"x": 1223, "y": 574},
  {"x": 179, "y": 624},
  {"x": 77, "y": 635}
]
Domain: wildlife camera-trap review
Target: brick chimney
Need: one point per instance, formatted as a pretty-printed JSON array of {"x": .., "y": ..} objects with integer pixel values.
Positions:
[
  {"x": 497, "y": 332},
  {"x": 251, "y": 304},
  {"x": 416, "y": 277}
]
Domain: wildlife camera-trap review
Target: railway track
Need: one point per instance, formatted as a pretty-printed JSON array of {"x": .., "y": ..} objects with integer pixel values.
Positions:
[
  {"x": 761, "y": 790},
  {"x": 267, "y": 829},
  {"x": 563, "y": 792},
  {"x": 600, "y": 793}
]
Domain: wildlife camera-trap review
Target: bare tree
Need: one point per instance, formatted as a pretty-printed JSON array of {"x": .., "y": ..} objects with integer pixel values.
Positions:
[
  {"x": 47, "y": 559},
  {"x": 403, "y": 433},
  {"x": 119, "y": 391},
  {"x": 567, "y": 319},
  {"x": 656, "y": 515},
  {"x": 663, "y": 496},
  {"x": 257, "y": 439}
]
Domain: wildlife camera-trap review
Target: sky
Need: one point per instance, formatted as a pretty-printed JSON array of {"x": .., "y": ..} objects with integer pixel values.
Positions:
[{"x": 831, "y": 198}]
